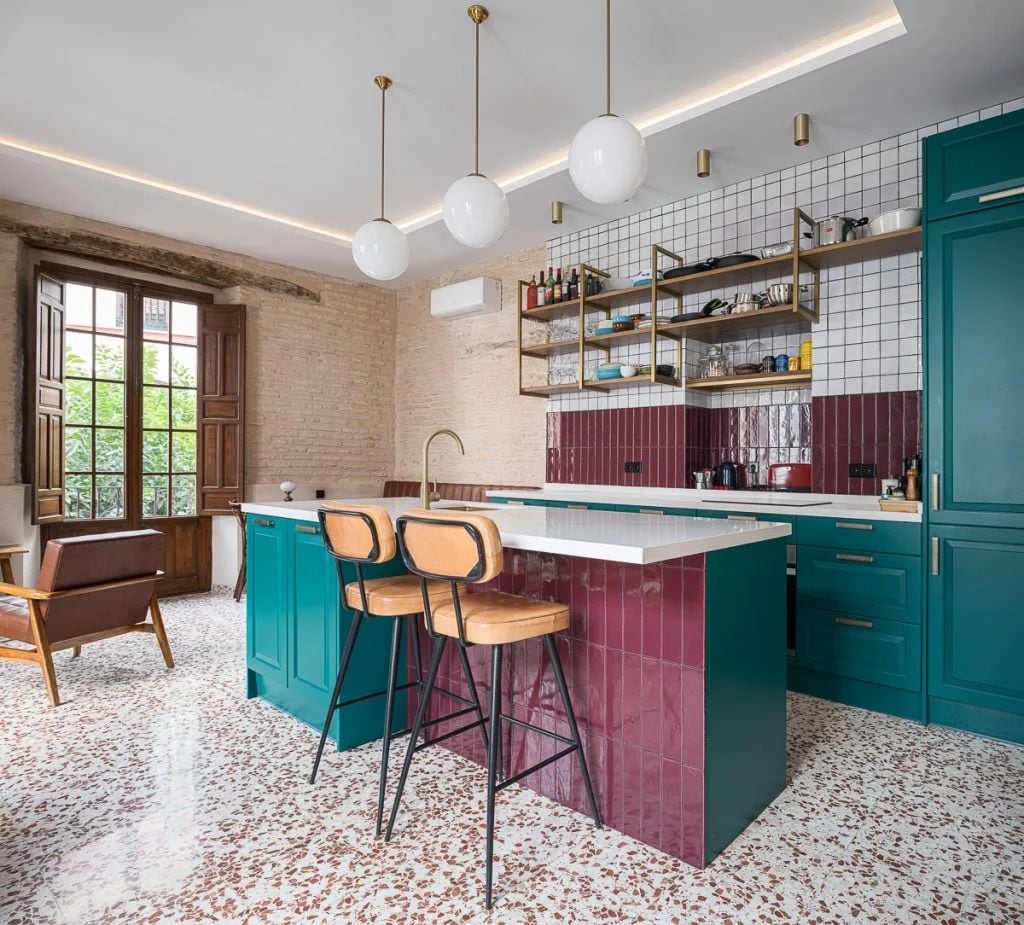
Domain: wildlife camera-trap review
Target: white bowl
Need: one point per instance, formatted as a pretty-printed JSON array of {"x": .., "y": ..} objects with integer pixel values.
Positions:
[
  {"x": 894, "y": 220},
  {"x": 614, "y": 283},
  {"x": 628, "y": 372}
]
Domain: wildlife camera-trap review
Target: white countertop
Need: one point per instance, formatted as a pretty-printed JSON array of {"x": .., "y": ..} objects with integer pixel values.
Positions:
[
  {"x": 608, "y": 535},
  {"x": 849, "y": 507}
]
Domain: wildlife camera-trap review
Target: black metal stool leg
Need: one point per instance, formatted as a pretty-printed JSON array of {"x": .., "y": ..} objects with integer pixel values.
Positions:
[
  {"x": 389, "y": 716},
  {"x": 346, "y": 657},
  {"x": 467, "y": 671},
  {"x": 492, "y": 763},
  {"x": 556, "y": 664},
  {"x": 414, "y": 631},
  {"x": 421, "y": 713}
]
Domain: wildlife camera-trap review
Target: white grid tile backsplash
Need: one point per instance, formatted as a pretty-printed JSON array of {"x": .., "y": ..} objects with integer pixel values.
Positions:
[{"x": 869, "y": 336}]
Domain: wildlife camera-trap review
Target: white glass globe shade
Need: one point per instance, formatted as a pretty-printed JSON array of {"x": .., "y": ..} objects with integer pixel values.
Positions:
[
  {"x": 608, "y": 160},
  {"x": 476, "y": 211},
  {"x": 381, "y": 250}
]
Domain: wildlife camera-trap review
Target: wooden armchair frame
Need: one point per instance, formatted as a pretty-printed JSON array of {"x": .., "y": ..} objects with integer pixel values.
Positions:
[{"x": 43, "y": 651}]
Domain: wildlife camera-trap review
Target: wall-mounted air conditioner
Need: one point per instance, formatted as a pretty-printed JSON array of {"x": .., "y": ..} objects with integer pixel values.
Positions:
[{"x": 478, "y": 296}]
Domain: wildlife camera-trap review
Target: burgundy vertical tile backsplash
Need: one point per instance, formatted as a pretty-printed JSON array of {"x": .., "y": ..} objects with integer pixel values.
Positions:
[{"x": 671, "y": 441}]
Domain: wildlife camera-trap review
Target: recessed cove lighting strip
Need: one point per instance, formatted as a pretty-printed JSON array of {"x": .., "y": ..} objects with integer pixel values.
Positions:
[{"x": 119, "y": 174}]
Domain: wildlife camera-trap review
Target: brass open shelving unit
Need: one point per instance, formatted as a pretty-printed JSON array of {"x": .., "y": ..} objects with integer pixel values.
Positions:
[{"x": 797, "y": 316}]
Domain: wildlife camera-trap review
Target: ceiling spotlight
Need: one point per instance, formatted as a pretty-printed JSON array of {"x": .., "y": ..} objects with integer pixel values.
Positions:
[
  {"x": 475, "y": 208},
  {"x": 801, "y": 129},
  {"x": 608, "y": 156},
  {"x": 703, "y": 163},
  {"x": 380, "y": 249},
  {"x": 556, "y": 211}
]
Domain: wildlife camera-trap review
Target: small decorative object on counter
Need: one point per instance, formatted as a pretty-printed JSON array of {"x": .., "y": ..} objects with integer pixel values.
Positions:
[
  {"x": 782, "y": 362},
  {"x": 794, "y": 364},
  {"x": 287, "y": 488},
  {"x": 806, "y": 354}
]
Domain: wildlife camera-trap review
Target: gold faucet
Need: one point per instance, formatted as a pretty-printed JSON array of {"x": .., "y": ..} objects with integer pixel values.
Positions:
[{"x": 426, "y": 496}]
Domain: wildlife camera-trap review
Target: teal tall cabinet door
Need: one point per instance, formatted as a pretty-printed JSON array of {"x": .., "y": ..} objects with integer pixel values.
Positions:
[
  {"x": 976, "y": 630},
  {"x": 313, "y": 644},
  {"x": 975, "y": 367},
  {"x": 974, "y": 448}
]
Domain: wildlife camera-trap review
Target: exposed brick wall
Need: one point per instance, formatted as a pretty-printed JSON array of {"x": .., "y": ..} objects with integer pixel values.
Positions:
[
  {"x": 319, "y": 384},
  {"x": 461, "y": 373},
  {"x": 11, "y": 338}
]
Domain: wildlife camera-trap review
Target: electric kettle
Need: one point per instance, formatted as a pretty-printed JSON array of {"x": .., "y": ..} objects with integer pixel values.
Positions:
[{"x": 725, "y": 476}]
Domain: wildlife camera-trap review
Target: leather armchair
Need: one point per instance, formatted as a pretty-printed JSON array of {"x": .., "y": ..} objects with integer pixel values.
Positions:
[{"x": 89, "y": 588}]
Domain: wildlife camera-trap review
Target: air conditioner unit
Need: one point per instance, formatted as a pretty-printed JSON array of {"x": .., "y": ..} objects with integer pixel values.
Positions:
[{"x": 478, "y": 296}]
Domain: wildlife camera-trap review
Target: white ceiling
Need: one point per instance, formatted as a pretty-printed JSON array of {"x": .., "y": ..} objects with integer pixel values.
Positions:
[{"x": 277, "y": 112}]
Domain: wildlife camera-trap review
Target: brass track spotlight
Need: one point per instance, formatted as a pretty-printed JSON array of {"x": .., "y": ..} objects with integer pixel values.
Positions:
[
  {"x": 801, "y": 129},
  {"x": 556, "y": 211},
  {"x": 703, "y": 163}
]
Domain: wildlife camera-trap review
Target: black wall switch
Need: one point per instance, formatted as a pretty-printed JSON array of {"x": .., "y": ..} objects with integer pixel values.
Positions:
[
  {"x": 862, "y": 470},
  {"x": 320, "y": 493},
  {"x": 634, "y": 466}
]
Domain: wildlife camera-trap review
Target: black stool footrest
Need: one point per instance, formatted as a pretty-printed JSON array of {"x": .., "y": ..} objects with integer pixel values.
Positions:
[
  {"x": 530, "y": 726},
  {"x": 441, "y": 738},
  {"x": 515, "y": 778}
]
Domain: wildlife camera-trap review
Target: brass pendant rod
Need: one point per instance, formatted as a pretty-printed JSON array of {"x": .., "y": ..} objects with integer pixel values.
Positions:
[
  {"x": 608, "y": 57},
  {"x": 382, "y": 82},
  {"x": 476, "y": 111}
]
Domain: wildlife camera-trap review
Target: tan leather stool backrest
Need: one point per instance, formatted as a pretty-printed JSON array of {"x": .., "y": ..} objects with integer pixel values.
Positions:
[
  {"x": 358, "y": 532},
  {"x": 451, "y": 545}
]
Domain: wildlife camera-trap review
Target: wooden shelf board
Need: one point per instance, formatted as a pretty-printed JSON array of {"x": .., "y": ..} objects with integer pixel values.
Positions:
[
  {"x": 635, "y": 295},
  {"x": 543, "y": 391},
  {"x": 873, "y": 247},
  {"x": 617, "y": 338},
  {"x": 776, "y": 316},
  {"x": 632, "y": 381},
  {"x": 540, "y": 351},
  {"x": 752, "y": 381},
  {"x": 557, "y": 310}
]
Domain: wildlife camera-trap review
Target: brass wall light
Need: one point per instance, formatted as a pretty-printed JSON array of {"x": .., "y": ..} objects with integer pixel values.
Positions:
[
  {"x": 556, "y": 211},
  {"x": 703, "y": 163},
  {"x": 801, "y": 129}
]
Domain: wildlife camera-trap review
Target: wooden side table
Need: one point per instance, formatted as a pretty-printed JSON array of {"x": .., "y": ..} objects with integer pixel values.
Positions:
[{"x": 6, "y": 569}]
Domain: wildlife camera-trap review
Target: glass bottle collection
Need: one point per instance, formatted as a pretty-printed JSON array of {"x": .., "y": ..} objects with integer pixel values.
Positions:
[{"x": 552, "y": 288}]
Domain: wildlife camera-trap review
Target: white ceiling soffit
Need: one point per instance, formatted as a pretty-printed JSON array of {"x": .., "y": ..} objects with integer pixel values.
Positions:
[{"x": 259, "y": 135}]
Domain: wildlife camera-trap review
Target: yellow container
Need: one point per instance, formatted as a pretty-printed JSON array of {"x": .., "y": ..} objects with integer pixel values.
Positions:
[{"x": 806, "y": 354}]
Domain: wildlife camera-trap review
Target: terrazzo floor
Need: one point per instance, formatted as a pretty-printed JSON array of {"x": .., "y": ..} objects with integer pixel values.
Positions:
[{"x": 163, "y": 797}]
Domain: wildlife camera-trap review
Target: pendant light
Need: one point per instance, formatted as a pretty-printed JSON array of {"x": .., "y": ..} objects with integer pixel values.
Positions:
[
  {"x": 608, "y": 156},
  {"x": 475, "y": 208},
  {"x": 380, "y": 249}
]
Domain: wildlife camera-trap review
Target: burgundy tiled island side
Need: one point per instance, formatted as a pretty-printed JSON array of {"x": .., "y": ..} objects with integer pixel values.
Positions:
[{"x": 677, "y": 672}]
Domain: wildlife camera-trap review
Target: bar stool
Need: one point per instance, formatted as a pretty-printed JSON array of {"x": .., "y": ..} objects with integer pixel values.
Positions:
[
  {"x": 362, "y": 534},
  {"x": 442, "y": 546}
]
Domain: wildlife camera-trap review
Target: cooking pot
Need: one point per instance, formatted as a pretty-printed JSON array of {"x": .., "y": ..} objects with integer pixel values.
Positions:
[
  {"x": 835, "y": 230},
  {"x": 894, "y": 220}
]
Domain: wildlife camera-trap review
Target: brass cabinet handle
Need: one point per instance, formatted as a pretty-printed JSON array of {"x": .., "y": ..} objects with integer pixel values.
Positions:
[
  {"x": 302, "y": 528},
  {"x": 935, "y": 555},
  {"x": 650, "y": 510},
  {"x": 935, "y": 491},
  {"x": 516, "y": 503},
  {"x": 740, "y": 517},
  {"x": 1002, "y": 194},
  {"x": 850, "y": 621},
  {"x": 263, "y": 523},
  {"x": 577, "y": 507},
  {"x": 846, "y": 525},
  {"x": 850, "y": 557}
]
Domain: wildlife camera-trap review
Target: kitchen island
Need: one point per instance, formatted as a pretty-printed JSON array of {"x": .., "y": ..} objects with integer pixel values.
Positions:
[{"x": 676, "y": 657}]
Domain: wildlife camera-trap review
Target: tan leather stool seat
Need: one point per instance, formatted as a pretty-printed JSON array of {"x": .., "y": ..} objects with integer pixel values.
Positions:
[
  {"x": 493, "y": 618},
  {"x": 396, "y": 596}
]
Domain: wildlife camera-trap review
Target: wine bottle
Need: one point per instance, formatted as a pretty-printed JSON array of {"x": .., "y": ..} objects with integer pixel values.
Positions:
[
  {"x": 551, "y": 285},
  {"x": 531, "y": 293},
  {"x": 558, "y": 286}
]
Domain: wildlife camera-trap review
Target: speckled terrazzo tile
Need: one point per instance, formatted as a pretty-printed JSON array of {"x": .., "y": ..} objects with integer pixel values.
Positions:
[{"x": 157, "y": 796}]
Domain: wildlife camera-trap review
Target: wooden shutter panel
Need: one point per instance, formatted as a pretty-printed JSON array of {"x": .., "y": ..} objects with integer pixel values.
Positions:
[
  {"x": 44, "y": 391},
  {"x": 221, "y": 406}
]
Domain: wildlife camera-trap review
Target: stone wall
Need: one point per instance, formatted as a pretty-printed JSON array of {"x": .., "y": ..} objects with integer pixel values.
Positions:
[
  {"x": 11, "y": 339},
  {"x": 461, "y": 373}
]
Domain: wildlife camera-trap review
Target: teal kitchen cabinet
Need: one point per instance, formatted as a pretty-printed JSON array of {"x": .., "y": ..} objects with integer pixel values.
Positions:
[
  {"x": 975, "y": 340},
  {"x": 974, "y": 167},
  {"x": 976, "y": 630},
  {"x": 876, "y": 536},
  {"x": 296, "y": 628}
]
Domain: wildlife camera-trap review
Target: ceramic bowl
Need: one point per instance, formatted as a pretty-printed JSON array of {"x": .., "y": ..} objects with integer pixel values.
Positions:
[{"x": 627, "y": 372}]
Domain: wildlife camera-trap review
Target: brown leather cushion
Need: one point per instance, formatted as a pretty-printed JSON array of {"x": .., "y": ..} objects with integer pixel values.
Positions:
[
  {"x": 14, "y": 619},
  {"x": 493, "y": 618},
  {"x": 397, "y": 596},
  {"x": 442, "y": 546},
  {"x": 349, "y": 536},
  {"x": 81, "y": 561},
  {"x": 451, "y": 491}
]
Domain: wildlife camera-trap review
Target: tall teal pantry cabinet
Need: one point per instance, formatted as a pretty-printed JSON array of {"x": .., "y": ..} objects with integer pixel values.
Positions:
[{"x": 973, "y": 279}]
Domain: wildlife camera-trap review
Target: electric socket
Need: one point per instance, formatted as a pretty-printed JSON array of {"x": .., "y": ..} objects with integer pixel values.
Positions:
[
  {"x": 634, "y": 466},
  {"x": 321, "y": 493},
  {"x": 862, "y": 470}
]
